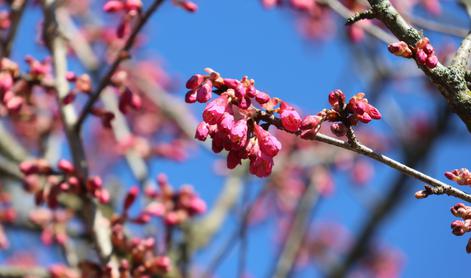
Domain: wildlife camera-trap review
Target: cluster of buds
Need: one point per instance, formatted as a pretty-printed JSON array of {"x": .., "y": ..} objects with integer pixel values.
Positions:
[
  {"x": 460, "y": 176},
  {"x": 129, "y": 8},
  {"x": 82, "y": 84},
  {"x": 127, "y": 98},
  {"x": 53, "y": 224},
  {"x": 423, "y": 51},
  {"x": 7, "y": 215},
  {"x": 460, "y": 227},
  {"x": 344, "y": 115},
  {"x": 9, "y": 72},
  {"x": 141, "y": 258},
  {"x": 186, "y": 5},
  {"x": 235, "y": 124},
  {"x": 172, "y": 206},
  {"x": 63, "y": 179}
]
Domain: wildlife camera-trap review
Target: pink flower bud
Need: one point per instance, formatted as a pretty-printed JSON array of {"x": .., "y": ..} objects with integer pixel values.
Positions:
[
  {"x": 172, "y": 219},
  {"x": 130, "y": 197},
  {"x": 338, "y": 129},
  {"x": 270, "y": 3},
  {"x": 227, "y": 122},
  {"x": 238, "y": 134},
  {"x": 104, "y": 196},
  {"x": 231, "y": 83},
  {"x": 188, "y": 6},
  {"x": 113, "y": 6},
  {"x": 162, "y": 263},
  {"x": 142, "y": 218},
  {"x": 197, "y": 206},
  {"x": 94, "y": 183},
  {"x": 421, "y": 56},
  {"x": 28, "y": 167},
  {"x": 310, "y": 122},
  {"x": 261, "y": 166},
  {"x": 204, "y": 93},
  {"x": 155, "y": 209},
  {"x": 6, "y": 81},
  {"x": 233, "y": 159},
  {"x": 428, "y": 49},
  {"x": 268, "y": 143},
  {"x": 262, "y": 97},
  {"x": 373, "y": 112},
  {"x": 66, "y": 166},
  {"x": 431, "y": 62},
  {"x": 14, "y": 104},
  {"x": 290, "y": 118},
  {"x": 458, "y": 228},
  {"x": 69, "y": 98},
  {"x": 214, "y": 110},
  {"x": 70, "y": 76},
  {"x": 400, "y": 49},
  {"x": 133, "y": 5},
  {"x": 336, "y": 96},
  {"x": 190, "y": 96},
  {"x": 195, "y": 81},
  {"x": 202, "y": 131}
]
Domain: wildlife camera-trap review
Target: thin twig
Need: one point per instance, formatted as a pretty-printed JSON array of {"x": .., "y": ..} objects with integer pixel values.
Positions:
[
  {"x": 16, "y": 13},
  {"x": 364, "y": 150},
  {"x": 293, "y": 242}
]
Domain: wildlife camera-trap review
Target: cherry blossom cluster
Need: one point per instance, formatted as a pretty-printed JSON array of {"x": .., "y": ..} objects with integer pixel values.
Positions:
[
  {"x": 142, "y": 259},
  {"x": 239, "y": 118},
  {"x": 47, "y": 183},
  {"x": 423, "y": 52},
  {"x": 129, "y": 9},
  {"x": 344, "y": 115},
  {"x": 16, "y": 89},
  {"x": 230, "y": 120},
  {"x": 172, "y": 206},
  {"x": 53, "y": 224},
  {"x": 7, "y": 215},
  {"x": 460, "y": 227},
  {"x": 460, "y": 176}
]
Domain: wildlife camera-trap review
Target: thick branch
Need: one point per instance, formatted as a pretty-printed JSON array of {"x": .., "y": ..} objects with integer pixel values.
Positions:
[
  {"x": 450, "y": 81},
  {"x": 94, "y": 218}
]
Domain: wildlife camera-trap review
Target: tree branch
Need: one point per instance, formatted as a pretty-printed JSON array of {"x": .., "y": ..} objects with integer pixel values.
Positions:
[
  {"x": 121, "y": 56},
  {"x": 296, "y": 235},
  {"x": 450, "y": 81}
]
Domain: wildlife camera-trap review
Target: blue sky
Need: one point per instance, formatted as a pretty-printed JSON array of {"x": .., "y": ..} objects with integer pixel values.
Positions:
[{"x": 240, "y": 38}]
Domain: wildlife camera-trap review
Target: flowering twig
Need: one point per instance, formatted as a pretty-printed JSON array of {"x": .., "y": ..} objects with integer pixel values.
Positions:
[
  {"x": 449, "y": 80},
  {"x": 392, "y": 198},
  {"x": 94, "y": 218},
  {"x": 121, "y": 56}
]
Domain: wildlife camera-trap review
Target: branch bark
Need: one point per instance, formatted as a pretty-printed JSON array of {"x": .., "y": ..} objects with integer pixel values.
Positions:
[{"x": 449, "y": 80}]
